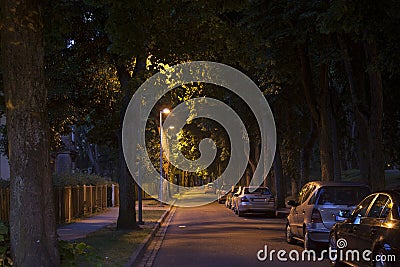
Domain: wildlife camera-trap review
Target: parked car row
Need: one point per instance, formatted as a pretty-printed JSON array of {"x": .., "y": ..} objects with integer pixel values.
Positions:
[
  {"x": 245, "y": 200},
  {"x": 348, "y": 218}
]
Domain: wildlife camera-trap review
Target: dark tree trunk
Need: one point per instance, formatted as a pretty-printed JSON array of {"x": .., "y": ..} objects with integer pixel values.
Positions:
[
  {"x": 306, "y": 154},
  {"x": 32, "y": 215},
  {"x": 367, "y": 107},
  {"x": 376, "y": 162},
  {"x": 325, "y": 127},
  {"x": 294, "y": 187},
  {"x": 337, "y": 170},
  {"x": 353, "y": 62},
  {"x": 320, "y": 109},
  {"x": 91, "y": 151},
  {"x": 127, "y": 209},
  {"x": 279, "y": 180}
]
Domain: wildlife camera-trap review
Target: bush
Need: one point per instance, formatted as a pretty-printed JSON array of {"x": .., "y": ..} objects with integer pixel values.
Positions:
[
  {"x": 5, "y": 253},
  {"x": 4, "y": 183},
  {"x": 73, "y": 253},
  {"x": 79, "y": 179}
]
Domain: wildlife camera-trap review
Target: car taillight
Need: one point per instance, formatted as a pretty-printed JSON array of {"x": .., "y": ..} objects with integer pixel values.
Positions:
[
  {"x": 244, "y": 199},
  {"x": 316, "y": 216}
]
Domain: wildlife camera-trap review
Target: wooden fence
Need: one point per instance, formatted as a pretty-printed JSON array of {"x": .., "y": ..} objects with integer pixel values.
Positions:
[
  {"x": 4, "y": 203},
  {"x": 72, "y": 201}
]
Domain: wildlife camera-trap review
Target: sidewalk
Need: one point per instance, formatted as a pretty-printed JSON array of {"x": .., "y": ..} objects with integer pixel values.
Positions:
[
  {"x": 80, "y": 229},
  {"x": 96, "y": 222}
]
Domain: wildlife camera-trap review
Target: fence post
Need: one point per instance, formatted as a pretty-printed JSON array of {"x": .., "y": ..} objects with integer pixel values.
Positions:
[
  {"x": 67, "y": 203},
  {"x": 4, "y": 204}
]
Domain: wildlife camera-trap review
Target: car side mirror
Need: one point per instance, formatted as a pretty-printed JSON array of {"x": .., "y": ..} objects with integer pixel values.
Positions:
[{"x": 292, "y": 203}]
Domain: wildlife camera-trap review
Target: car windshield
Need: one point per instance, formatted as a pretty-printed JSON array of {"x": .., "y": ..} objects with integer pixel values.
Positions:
[
  {"x": 260, "y": 190},
  {"x": 342, "y": 195}
]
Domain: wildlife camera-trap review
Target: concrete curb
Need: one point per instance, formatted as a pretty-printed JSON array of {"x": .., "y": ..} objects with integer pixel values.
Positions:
[{"x": 140, "y": 250}]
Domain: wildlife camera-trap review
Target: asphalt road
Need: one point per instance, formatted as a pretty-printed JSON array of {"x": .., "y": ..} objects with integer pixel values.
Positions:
[{"x": 212, "y": 235}]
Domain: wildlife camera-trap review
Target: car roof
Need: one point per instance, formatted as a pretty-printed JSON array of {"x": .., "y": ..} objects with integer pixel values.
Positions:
[
  {"x": 254, "y": 187},
  {"x": 331, "y": 183},
  {"x": 394, "y": 193}
]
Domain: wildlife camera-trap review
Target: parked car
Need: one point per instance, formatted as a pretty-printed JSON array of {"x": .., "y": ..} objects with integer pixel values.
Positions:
[
  {"x": 373, "y": 225},
  {"x": 253, "y": 199},
  {"x": 314, "y": 212},
  {"x": 222, "y": 192},
  {"x": 229, "y": 196},
  {"x": 209, "y": 188},
  {"x": 234, "y": 197}
]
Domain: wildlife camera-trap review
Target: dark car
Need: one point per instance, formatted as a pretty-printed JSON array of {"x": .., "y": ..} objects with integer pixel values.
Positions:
[{"x": 371, "y": 230}]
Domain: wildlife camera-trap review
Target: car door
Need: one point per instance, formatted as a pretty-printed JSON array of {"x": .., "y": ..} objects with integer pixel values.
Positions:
[
  {"x": 302, "y": 210},
  {"x": 350, "y": 229},
  {"x": 369, "y": 226},
  {"x": 294, "y": 212}
]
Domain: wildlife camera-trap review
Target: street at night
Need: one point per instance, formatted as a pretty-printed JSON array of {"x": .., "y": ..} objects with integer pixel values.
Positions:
[
  {"x": 199, "y": 133},
  {"x": 213, "y": 235}
]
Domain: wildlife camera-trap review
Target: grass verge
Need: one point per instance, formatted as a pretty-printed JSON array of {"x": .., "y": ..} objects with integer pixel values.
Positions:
[{"x": 114, "y": 247}]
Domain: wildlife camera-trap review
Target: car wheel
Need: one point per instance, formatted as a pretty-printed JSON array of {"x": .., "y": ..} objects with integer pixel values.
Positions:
[
  {"x": 308, "y": 243},
  {"x": 289, "y": 235}
]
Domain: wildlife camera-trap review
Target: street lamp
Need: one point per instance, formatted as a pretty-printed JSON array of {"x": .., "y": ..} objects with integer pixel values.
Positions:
[{"x": 160, "y": 194}]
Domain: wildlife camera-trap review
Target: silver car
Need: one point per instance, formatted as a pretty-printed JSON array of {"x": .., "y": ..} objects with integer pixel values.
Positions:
[
  {"x": 253, "y": 199},
  {"x": 230, "y": 195},
  {"x": 222, "y": 192},
  {"x": 315, "y": 211}
]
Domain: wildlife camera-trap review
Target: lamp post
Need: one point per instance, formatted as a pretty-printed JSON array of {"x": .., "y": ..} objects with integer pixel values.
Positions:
[{"x": 160, "y": 194}]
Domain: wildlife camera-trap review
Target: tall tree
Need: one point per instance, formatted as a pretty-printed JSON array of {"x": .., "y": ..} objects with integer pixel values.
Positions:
[
  {"x": 32, "y": 215},
  {"x": 135, "y": 35},
  {"x": 358, "y": 26}
]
